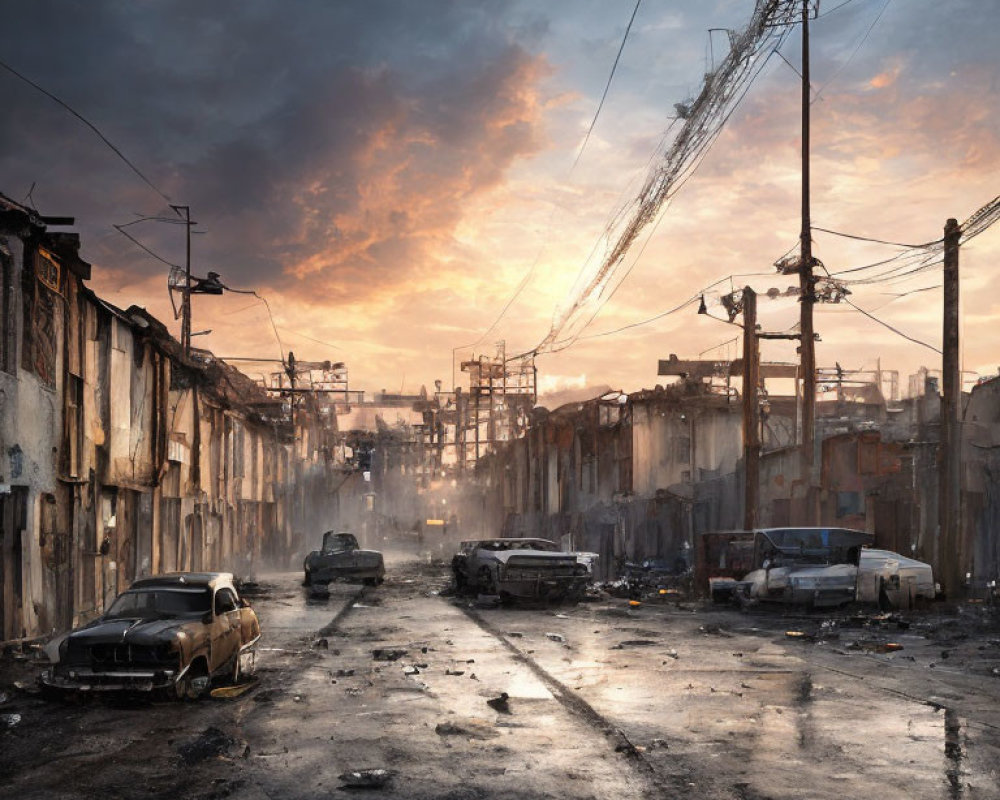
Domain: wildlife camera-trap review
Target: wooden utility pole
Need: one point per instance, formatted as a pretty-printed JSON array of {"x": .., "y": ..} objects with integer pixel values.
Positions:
[
  {"x": 186, "y": 292},
  {"x": 751, "y": 411},
  {"x": 950, "y": 505},
  {"x": 807, "y": 298}
]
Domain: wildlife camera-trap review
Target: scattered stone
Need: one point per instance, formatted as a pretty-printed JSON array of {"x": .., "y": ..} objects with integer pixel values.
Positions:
[
  {"x": 321, "y": 644},
  {"x": 345, "y": 673},
  {"x": 555, "y": 637},
  {"x": 411, "y": 670},
  {"x": 515, "y": 634},
  {"x": 10, "y": 720},
  {"x": 454, "y": 672}
]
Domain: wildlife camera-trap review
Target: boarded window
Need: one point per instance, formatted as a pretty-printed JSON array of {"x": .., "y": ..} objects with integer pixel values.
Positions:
[{"x": 40, "y": 301}]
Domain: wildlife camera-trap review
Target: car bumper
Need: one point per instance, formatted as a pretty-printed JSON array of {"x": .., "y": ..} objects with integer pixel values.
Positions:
[
  {"x": 87, "y": 680},
  {"x": 541, "y": 586},
  {"x": 327, "y": 574}
]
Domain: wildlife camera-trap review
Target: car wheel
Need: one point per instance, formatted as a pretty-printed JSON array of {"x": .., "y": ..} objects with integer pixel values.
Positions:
[
  {"x": 307, "y": 581},
  {"x": 194, "y": 683},
  {"x": 487, "y": 585}
]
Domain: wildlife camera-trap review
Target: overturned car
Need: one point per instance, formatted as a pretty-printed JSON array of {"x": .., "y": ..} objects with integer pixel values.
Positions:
[
  {"x": 174, "y": 632},
  {"x": 521, "y": 568},
  {"x": 341, "y": 557}
]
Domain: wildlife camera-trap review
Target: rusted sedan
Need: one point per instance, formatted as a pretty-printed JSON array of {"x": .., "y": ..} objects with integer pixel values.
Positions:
[{"x": 175, "y": 632}]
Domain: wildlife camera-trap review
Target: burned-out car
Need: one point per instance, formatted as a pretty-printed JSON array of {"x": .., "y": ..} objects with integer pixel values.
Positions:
[
  {"x": 521, "y": 568},
  {"x": 341, "y": 558},
  {"x": 174, "y": 632}
]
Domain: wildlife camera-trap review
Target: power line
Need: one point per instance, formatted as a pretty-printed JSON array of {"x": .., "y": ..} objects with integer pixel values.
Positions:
[
  {"x": 835, "y": 8},
  {"x": 854, "y": 52},
  {"x": 891, "y": 328},
  {"x": 310, "y": 338},
  {"x": 614, "y": 67},
  {"x": 129, "y": 236},
  {"x": 89, "y": 124},
  {"x": 704, "y": 117},
  {"x": 925, "y": 246}
]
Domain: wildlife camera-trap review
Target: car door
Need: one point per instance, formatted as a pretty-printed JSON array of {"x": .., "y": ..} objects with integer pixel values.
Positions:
[{"x": 226, "y": 628}]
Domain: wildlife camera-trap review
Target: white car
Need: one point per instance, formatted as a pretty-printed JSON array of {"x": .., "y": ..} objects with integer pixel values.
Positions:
[{"x": 902, "y": 579}]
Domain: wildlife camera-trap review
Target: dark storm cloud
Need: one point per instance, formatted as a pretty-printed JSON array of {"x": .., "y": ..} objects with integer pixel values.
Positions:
[{"x": 322, "y": 146}]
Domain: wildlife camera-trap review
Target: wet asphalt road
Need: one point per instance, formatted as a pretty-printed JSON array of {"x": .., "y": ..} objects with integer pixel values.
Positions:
[{"x": 603, "y": 700}]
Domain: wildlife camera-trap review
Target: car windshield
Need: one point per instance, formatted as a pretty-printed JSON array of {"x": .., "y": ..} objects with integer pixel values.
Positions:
[
  {"x": 339, "y": 542},
  {"x": 162, "y": 601},
  {"x": 519, "y": 544}
]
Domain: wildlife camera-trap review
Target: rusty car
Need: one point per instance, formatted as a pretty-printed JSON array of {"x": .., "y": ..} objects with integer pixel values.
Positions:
[
  {"x": 524, "y": 568},
  {"x": 175, "y": 632},
  {"x": 341, "y": 558}
]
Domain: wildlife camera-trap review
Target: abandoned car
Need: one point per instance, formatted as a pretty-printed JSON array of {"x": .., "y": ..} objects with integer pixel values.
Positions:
[
  {"x": 891, "y": 579},
  {"x": 341, "y": 557},
  {"x": 174, "y": 632},
  {"x": 819, "y": 567},
  {"x": 520, "y": 568}
]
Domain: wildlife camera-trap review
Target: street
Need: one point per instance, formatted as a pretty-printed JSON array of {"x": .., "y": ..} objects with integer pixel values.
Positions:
[{"x": 604, "y": 698}]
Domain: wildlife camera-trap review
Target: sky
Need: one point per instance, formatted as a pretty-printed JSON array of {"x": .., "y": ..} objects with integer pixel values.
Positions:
[{"x": 387, "y": 173}]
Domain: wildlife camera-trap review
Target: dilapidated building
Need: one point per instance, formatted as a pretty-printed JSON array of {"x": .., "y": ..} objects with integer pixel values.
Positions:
[{"x": 122, "y": 456}]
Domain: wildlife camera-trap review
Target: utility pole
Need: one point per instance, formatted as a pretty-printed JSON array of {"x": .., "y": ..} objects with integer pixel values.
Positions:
[
  {"x": 186, "y": 292},
  {"x": 807, "y": 298},
  {"x": 751, "y": 411},
  {"x": 950, "y": 505}
]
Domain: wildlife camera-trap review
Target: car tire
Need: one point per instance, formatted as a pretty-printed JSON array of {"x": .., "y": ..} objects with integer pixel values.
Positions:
[
  {"x": 186, "y": 687},
  {"x": 307, "y": 580}
]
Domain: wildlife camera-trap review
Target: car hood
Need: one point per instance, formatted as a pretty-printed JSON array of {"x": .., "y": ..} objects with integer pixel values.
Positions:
[
  {"x": 129, "y": 630},
  {"x": 503, "y": 556}
]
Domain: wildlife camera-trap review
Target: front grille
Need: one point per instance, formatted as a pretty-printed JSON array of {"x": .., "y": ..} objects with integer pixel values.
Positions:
[{"x": 105, "y": 657}]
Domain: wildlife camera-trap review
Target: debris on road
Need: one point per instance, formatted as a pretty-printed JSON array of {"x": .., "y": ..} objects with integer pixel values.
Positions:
[
  {"x": 388, "y": 653},
  {"x": 212, "y": 743},
  {"x": 500, "y": 703},
  {"x": 229, "y": 692},
  {"x": 365, "y": 778},
  {"x": 634, "y": 643}
]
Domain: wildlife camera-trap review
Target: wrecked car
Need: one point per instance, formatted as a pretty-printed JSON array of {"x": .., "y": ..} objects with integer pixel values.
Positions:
[
  {"x": 174, "y": 632},
  {"x": 818, "y": 567},
  {"x": 341, "y": 557},
  {"x": 893, "y": 580},
  {"x": 520, "y": 568}
]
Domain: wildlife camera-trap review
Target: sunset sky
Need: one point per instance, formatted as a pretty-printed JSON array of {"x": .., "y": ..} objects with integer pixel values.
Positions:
[{"x": 386, "y": 173}]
